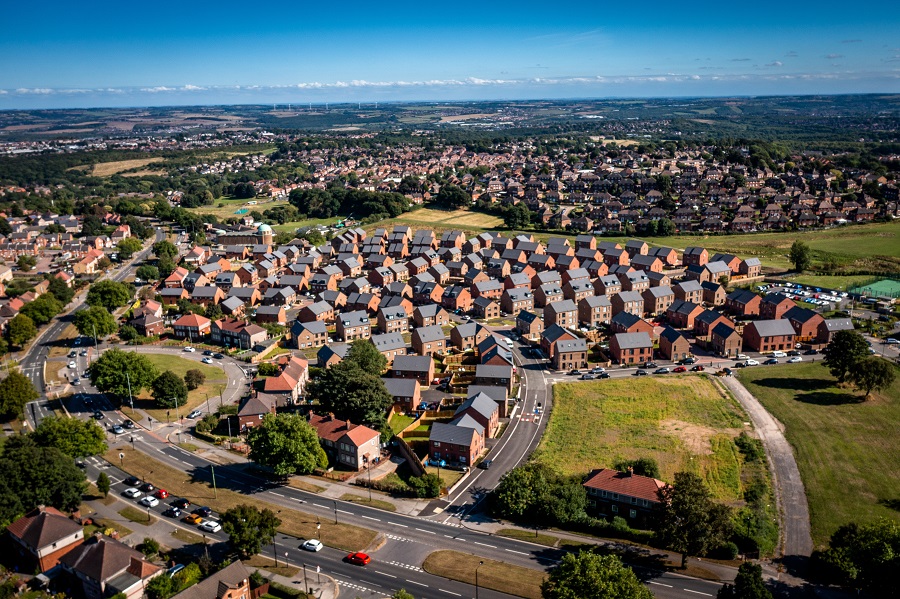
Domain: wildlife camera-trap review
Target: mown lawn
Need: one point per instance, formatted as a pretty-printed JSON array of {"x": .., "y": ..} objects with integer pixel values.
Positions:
[
  {"x": 682, "y": 422},
  {"x": 847, "y": 450},
  {"x": 215, "y": 380}
]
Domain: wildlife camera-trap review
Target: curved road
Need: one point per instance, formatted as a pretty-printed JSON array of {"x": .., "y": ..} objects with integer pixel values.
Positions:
[{"x": 789, "y": 491}]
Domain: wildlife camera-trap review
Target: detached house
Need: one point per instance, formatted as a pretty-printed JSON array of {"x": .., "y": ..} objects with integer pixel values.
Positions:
[
  {"x": 769, "y": 335},
  {"x": 44, "y": 535},
  {"x": 631, "y": 496},
  {"x": 348, "y": 445}
]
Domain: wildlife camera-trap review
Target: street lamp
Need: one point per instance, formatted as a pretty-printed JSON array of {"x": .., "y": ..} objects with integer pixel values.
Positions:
[
  {"x": 476, "y": 578},
  {"x": 335, "y": 510}
]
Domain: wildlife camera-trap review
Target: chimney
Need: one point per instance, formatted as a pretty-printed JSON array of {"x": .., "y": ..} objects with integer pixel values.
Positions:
[{"x": 630, "y": 471}]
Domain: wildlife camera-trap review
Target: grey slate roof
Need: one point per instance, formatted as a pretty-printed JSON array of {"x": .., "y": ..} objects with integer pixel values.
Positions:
[
  {"x": 633, "y": 340},
  {"x": 452, "y": 434},
  {"x": 771, "y": 328}
]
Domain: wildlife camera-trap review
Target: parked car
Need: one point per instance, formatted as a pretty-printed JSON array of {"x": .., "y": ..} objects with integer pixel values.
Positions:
[
  {"x": 207, "y": 352},
  {"x": 202, "y": 511},
  {"x": 149, "y": 501},
  {"x": 98, "y": 415},
  {"x": 73, "y": 365},
  {"x": 83, "y": 353},
  {"x": 662, "y": 370},
  {"x": 118, "y": 430},
  {"x": 73, "y": 353},
  {"x": 128, "y": 424},
  {"x": 603, "y": 375},
  {"x": 172, "y": 512},
  {"x": 779, "y": 354},
  {"x": 218, "y": 356},
  {"x": 147, "y": 487},
  {"x": 698, "y": 368},
  {"x": 810, "y": 352},
  {"x": 312, "y": 545},
  {"x": 485, "y": 464},
  {"x": 193, "y": 519},
  {"x": 793, "y": 352},
  {"x": 574, "y": 372},
  {"x": 688, "y": 361},
  {"x": 194, "y": 414},
  {"x": 751, "y": 363},
  {"x": 640, "y": 372},
  {"x": 771, "y": 361},
  {"x": 743, "y": 357},
  {"x": 181, "y": 503},
  {"x": 161, "y": 494},
  {"x": 210, "y": 526},
  {"x": 132, "y": 481},
  {"x": 132, "y": 493},
  {"x": 358, "y": 558},
  {"x": 206, "y": 360},
  {"x": 587, "y": 377},
  {"x": 650, "y": 365},
  {"x": 597, "y": 370}
]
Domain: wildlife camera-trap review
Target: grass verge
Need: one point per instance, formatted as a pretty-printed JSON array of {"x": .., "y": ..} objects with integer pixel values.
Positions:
[
  {"x": 187, "y": 537},
  {"x": 845, "y": 448},
  {"x": 299, "y": 483},
  {"x": 295, "y": 523},
  {"x": 494, "y": 575},
  {"x": 376, "y": 503},
  {"x": 137, "y": 516},
  {"x": 264, "y": 563}
]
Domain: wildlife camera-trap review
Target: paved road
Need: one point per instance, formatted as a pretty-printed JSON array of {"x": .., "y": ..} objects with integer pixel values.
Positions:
[{"x": 789, "y": 490}]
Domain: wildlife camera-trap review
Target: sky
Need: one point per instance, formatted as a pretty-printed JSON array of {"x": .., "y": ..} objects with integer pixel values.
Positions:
[{"x": 57, "y": 54}]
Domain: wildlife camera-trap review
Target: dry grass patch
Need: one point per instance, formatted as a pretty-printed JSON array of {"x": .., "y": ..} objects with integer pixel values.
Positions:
[
  {"x": 459, "y": 219},
  {"x": 107, "y": 169},
  {"x": 187, "y": 537},
  {"x": 138, "y": 516},
  {"x": 264, "y": 563},
  {"x": 684, "y": 423},
  {"x": 494, "y": 575},
  {"x": 299, "y": 483},
  {"x": 376, "y": 503},
  {"x": 294, "y": 523}
]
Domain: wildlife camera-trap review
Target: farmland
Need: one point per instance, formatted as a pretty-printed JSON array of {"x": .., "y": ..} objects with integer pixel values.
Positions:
[
  {"x": 683, "y": 422},
  {"x": 846, "y": 449},
  {"x": 456, "y": 219}
]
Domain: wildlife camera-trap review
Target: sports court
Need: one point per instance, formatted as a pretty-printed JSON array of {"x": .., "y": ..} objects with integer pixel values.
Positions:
[{"x": 882, "y": 288}]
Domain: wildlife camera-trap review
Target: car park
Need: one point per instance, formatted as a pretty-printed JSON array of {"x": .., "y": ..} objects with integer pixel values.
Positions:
[
  {"x": 312, "y": 545},
  {"x": 132, "y": 493},
  {"x": 358, "y": 558},
  {"x": 210, "y": 526},
  {"x": 149, "y": 501}
]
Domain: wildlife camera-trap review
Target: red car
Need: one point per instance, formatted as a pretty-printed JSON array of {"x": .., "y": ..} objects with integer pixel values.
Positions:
[
  {"x": 697, "y": 368},
  {"x": 360, "y": 559},
  {"x": 161, "y": 493},
  {"x": 680, "y": 369}
]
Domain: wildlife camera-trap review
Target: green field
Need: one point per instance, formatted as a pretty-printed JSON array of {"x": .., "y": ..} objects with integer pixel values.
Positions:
[
  {"x": 683, "y": 422},
  {"x": 830, "y": 281},
  {"x": 180, "y": 366},
  {"x": 847, "y": 451},
  {"x": 215, "y": 380}
]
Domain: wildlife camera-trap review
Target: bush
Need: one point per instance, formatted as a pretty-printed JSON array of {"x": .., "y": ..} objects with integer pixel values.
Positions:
[
  {"x": 752, "y": 449},
  {"x": 257, "y": 580},
  {"x": 207, "y": 424},
  {"x": 728, "y": 551},
  {"x": 149, "y": 547}
]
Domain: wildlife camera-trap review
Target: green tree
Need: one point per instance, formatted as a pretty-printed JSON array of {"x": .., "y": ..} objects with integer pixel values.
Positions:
[
  {"x": 20, "y": 330},
  {"x": 72, "y": 436},
  {"x": 268, "y": 369},
  {"x": 748, "y": 584},
  {"x": 863, "y": 556},
  {"x": 287, "y": 444},
  {"x": 41, "y": 475},
  {"x": 108, "y": 372},
  {"x": 16, "y": 391},
  {"x": 165, "y": 249},
  {"x": 109, "y": 295},
  {"x": 160, "y": 587},
  {"x": 687, "y": 519},
  {"x": 402, "y": 594},
  {"x": 169, "y": 390},
  {"x": 352, "y": 393},
  {"x": 193, "y": 378},
  {"x": 800, "y": 256},
  {"x": 665, "y": 227},
  {"x": 364, "y": 354},
  {"x": 189, "y": 576},
  {"x": 60, "y": 290},
  {"x": 147, "y": 272},
  {"x": 26, "y": 262},
  {"x": 872, "y": 373},
  {"x": 95, "y": 320},
  {"x": 43, "y": 309},
  {"x": 517, "y": 216},
  {"x": 453, "y": 196},
  {"x": 166, "y": 266},
  {"x": 149, "y": 546},
  {"x": 536, "y": 493},
  {"x": 642, "y": 466},
  {"x": 249, "y": 529},
  {"x": 586, "y": 575},
  {"x": 844, "y": 350},
  {"x": 103, "y": 483},
  {"x": 128, "y": 247}
]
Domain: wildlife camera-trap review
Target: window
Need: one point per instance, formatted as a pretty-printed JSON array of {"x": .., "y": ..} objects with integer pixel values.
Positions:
[
  {"x": 614, "y": 509},
  {"x": 632, "y": 514},
  {"x": 437, "y": 444}
]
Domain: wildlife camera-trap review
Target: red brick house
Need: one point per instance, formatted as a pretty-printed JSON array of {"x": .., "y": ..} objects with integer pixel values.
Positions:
[
  {"x": 681, "y": 314},
  {"x": 611, "y": 493},
  {"x": 456, "y": 445},
  {"x": 743, "y": 302},
  {"x": 420, "y": 368},
  {"x": 774, "y": 305},
  {"x": 631, "y": 348},
  {"x": 673, "y": 345},
  {"x": 348, "y": 445},
  {"x": 44, "y": 535},
  {"x": 769, "y": 335},
  {"x": 725, "y": 341},
  {"x": 484, "y": 410}
]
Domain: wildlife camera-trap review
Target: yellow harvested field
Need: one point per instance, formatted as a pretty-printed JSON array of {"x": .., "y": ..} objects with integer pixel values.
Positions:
[
  {"x": 107, "y": 169},
  {"x": 455, "y": 218}
]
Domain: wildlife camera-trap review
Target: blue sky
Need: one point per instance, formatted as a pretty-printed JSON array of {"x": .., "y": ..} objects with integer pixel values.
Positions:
[{"x": 68, "y": 54}]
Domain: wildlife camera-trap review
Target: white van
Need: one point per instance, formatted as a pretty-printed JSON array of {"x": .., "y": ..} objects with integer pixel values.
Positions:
[{"x": 779, "y": 354}]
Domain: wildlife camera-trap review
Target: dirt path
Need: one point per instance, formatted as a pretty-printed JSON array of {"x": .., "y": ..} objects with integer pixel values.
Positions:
[{"x": 789, "y": 491}]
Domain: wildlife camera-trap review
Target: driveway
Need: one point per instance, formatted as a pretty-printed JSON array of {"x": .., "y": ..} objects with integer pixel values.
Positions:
[{"x": 789, "y": 492}]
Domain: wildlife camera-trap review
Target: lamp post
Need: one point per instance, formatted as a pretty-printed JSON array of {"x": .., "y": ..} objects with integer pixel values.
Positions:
[
  {"x": 208, "y": 411},
  {"x": 212, "y": 471},
  {"x": 335, "y": 510},
  {"x": 130, "y": 396},
  {"x": 481, "y": 563},
  {"x": 318, "y": 528}
]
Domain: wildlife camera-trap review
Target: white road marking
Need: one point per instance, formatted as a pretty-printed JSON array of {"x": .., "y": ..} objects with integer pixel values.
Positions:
[
  {"x": 660, "y": 584},
  {"x": 345, "y": 512},
  {"x": 431, "y": 532},
  {"x": 279, "y": 494},
  {"x": 421, "y": 584},
  {"x": 385, "y": 574},
  {"x": 318, "y": 505},
  {"x": 519, "y": 552},
  {"x": 449, "y": 592},
  {"x": 371, "y": 518},
  {"x": 485, "y": 545},
  {"x": 400, "y": 525},
  {"x": 698, "y": 592}
]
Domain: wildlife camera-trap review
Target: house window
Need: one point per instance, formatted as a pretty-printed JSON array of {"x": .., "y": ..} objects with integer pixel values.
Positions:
[
  {"x": 614, "y": 509},
  {"x": 632, "y": 514},
  {"x": 437, "y": 444}
]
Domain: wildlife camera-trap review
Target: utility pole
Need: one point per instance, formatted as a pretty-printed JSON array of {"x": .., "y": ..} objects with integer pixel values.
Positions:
[
  {"x": 212, "y": 470},
  {"x": 130, "y": 397},
  {"x": 208, "y": 411},
  {"x": 335, "y": 510}
]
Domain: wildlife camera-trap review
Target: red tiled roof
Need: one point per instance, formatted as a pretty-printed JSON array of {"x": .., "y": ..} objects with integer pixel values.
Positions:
[
  {"x": 192, "y": 320},
  {"x": 332, "y": 429},
  {"x": 43, "y": 526},
  {"x": 623, "y": 483}
]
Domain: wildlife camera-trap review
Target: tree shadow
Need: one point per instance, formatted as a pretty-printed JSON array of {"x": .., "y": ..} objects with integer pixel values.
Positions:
[
  {"x": 796, "y": 384},
  {"x": 795, "y": 565},
  {"x": 891, "y": 504},
  {"x": 813, "y": 391}
]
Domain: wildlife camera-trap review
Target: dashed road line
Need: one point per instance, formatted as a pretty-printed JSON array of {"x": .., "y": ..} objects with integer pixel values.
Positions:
[
  {"x": 697, "y": 592},
  {"x": 400, "y": 525},
  {"x": 449, "y": 592},
  {"x": 278, "y": 494},
  {"x": 660, "y": 584},
  {"x": 485, "y": 545},
  {"x": 371, "y": 518},
  {"x": 421, "y": 584},
  {"x": 513, "y": 551},
  {"x": 431, "y": 532},
  {"x": 385, "y": 574}
]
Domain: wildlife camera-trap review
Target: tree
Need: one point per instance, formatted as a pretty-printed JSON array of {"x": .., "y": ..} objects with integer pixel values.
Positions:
[
  {"x": 147, "y": 272},
  {"x": 213, "y": 312},
  {"x": 166, "y": 266},
  {"x": 109, "y": 294},
  {"x": 249, "y": 529},
  {"x": 587, "y": 575},
  {"x": 41, "y": 475},
  {"x": 517, "y": 216},
  {"x": 60, "y": 290},
  {"x": 872, "y": 373},
  {"x": 72, "y": 436},
  {"x": 149, "y": 546},
  {"x": 642, "y": 466},
  {"x": 169, "y": 390},
  {"x": 20, "y": 330},
  {"x": 537, "y": 493},
  {"x": 287, "y": 444},
  {"x": 103, "y": 483},
  {"x": 95, "y": 320},
  {"x": 165, "y": 249},
  {"x": 128, "y": 247},
  {"x": 365, "y": 355},
  {"x": 800, "y": 256},
  {"x": 161, "y": 587},
  {"x": 402, "y": 594},
  {"x": 687, "y": 520},
  {"x": 193, "y": 378},
  {"x": 16, "y": 390},
  {"x": 453, "y": 196},
  {"x": 844, "y": 350},
  {"x": 863, "y": 556},
  {"x": 352, "y": 393},
  {"x": 43, "y": 309},
  {"x": 748, "y": 584},
  {"x": 26, "y": 262},
  {"x": 665, "y": 227},
  {"x": 115, "y": 369}
]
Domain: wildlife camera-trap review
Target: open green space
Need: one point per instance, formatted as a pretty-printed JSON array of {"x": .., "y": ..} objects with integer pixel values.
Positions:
[
  {"x": 137, "y": 515},
  {"x": 215, "y": 381},
  {"x": 685, "y": 423},
  {"x": 846, "y": 449}
]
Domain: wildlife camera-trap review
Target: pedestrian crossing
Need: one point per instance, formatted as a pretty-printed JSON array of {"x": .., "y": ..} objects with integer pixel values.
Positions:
[{"x": 407, "y": 566}]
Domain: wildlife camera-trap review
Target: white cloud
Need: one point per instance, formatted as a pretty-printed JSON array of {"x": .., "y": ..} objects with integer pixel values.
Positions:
[{"x": 776, "y": 63}]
